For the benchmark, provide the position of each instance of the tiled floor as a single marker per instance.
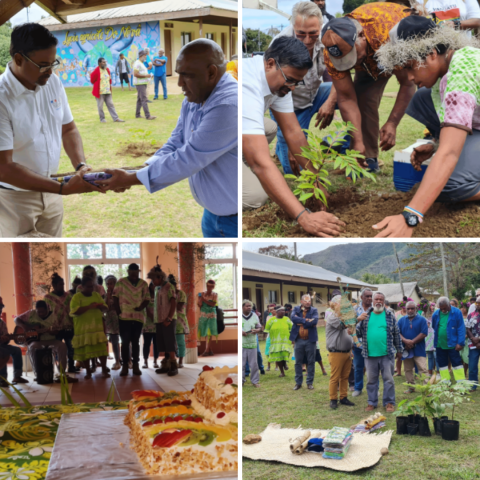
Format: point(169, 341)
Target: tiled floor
point(96, 389)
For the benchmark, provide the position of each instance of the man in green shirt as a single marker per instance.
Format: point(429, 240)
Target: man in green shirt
point(450, 333)
point(250, 327)
point(381, 338)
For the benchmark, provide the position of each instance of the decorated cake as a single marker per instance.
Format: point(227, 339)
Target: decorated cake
point(187, 432)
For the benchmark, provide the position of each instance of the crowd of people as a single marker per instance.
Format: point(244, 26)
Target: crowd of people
point(78, 323)
point(306, 73)
point(428, 338)
point(36, 121)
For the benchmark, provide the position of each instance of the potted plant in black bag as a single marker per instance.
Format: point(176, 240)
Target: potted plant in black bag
point(438, 411)
point(402, 412)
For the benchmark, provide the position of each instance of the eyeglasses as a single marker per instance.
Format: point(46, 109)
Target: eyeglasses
point(44, 69)
point(289, 83)
point(301, 36)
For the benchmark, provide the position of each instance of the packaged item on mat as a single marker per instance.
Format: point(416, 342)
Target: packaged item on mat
point(315, 445)
point(337, 442)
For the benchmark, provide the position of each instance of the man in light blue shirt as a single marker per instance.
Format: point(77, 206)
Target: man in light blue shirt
point(160, 73)
point(203, 146)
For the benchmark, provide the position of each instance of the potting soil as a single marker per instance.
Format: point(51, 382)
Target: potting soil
point(361, 211)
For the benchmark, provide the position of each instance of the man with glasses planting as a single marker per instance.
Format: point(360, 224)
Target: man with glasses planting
point(268, 83)
point(35, 120)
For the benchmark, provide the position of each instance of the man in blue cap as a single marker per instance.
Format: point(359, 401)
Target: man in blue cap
point(351, 42)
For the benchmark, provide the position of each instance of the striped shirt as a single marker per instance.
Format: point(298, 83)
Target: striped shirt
point(130, 297)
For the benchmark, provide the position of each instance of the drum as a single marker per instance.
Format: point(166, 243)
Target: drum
point(44, 365)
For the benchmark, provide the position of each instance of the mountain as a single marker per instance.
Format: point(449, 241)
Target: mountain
point(355, 259)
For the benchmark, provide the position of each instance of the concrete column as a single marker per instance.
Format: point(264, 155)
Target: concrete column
point(186, 275)
point(22, 272)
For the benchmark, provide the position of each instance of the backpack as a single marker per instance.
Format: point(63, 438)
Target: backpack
point(220, 321)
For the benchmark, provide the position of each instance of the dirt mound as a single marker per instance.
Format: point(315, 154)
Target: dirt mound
point(361, 211)
point(139, 149)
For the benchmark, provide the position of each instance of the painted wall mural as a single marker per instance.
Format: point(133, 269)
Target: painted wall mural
point(80, 49)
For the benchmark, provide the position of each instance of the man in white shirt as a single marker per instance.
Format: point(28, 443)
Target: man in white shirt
point(473, 306)
point(140, 80)
point(267, 83)
point(35, 120)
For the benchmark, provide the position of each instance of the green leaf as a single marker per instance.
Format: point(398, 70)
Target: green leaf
point(305, 196)
point(305, 185)
point(289, 175)
point(10, 397)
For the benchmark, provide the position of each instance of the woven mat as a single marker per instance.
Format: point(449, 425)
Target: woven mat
point(364, 451)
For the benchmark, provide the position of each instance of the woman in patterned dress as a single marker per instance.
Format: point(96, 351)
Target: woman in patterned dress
point(182, 324)
point(58, 300)
point(111, 321)
point(149, 329)
point(207, 327)
point(89, 341)
point(279, 328)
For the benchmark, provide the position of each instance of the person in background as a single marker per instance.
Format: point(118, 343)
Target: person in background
point(430, 340)
point(35, 122)
point(454, 302)
point(387, 306)
point(339, 346)
point(122, 70)
point(457, 14)
point(250, 328)
point(413, 331)
point(358, 360)
point(278, 328)
point(268, 313)
point(160, 73)
point(398, 315)
point(41, 318)
point(314, 98)
point(450, 333)
point(271, 313)
point(14, 352)
point(207, 326)
point(149, 330)
point(259, 353)
point(321, 4)
point(77, 281)
point(101, 80)
point(473, 306)
point(148, 65)
point(464, 352)
point(288, 309)
point(165, 317)
point(140, 81)
point(182, 327)
point(380, 338)
point(90, 271)
point(203, 146)
point(473, 333)
point(58, 301)
point(112, 327)
point(131, 295)
point(89, 341)
point(304, 338)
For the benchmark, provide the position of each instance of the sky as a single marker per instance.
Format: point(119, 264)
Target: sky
point(35, 13)
point(264, 19)
point(303, 247)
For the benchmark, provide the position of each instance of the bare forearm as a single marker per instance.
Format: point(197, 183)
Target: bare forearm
point(470, 23)
point(173, 307)
point(350, 112)
point(73, 145)
point(332, 98)
point(22, 177)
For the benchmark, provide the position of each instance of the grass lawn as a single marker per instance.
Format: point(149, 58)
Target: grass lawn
point(408, 132)
point(171, 212)
point(409, 458)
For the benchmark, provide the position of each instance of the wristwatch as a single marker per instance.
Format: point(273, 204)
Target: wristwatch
point(411, 219)
point(79, 166)
point(457, 24)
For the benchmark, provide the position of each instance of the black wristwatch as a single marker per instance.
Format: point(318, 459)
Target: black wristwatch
point(457, 24)
point(411, 219)
point(79, 166)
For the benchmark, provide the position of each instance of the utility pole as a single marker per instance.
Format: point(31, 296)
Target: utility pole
point(295, 251)
point(399, 269)
point(445, 284)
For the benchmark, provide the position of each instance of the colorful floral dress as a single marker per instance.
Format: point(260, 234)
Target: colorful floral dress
point(60, 306)
point(111, 316)
point(279, 334)
point(89, 340)
point(149, 326)
point(207, 326)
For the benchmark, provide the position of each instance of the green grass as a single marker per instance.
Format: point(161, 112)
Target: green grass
point(409, 458)
point(408, 132)
point(171, 212)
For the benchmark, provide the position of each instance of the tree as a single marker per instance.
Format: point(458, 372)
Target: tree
point(45, 262)
point(350, 5)
point(273, 31)
point(281, 251)
point(462, 263)
point(375, 278)
point(5, 33)
point(257, 41)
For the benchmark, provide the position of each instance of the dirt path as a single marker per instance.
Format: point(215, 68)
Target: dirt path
point(360, 212)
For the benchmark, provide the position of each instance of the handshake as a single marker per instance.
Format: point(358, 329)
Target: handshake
point(116, 180)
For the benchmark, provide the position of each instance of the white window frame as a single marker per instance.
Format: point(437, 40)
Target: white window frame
point(99, 261)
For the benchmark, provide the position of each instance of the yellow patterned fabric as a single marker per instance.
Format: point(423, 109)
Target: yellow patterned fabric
point(377, 19)
point(232, 69)
point(28, 436)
